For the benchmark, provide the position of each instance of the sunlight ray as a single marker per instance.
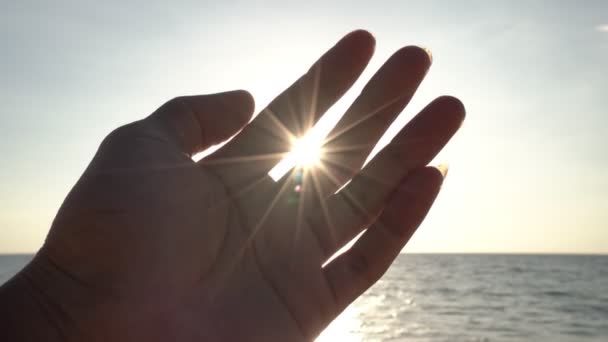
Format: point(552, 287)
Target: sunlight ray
point(312, 113)
point(229, 160)
point(300, 212)
point(273, 202)
point(252, 233)
point(329, 175)
point(354, 147)
point(279, 124)
point(325, 211)
point(231, 266)
point(362, 118)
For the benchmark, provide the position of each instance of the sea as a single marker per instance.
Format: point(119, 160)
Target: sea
point(470, 297)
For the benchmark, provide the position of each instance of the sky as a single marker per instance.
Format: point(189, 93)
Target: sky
point(527, 170)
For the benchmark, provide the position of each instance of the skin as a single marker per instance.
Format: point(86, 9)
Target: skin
point(150, 245)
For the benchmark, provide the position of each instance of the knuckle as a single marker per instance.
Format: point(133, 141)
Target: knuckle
point(124, 132)
point(177, 104)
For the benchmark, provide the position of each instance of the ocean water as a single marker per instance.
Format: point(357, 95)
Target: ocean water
point(431, 297)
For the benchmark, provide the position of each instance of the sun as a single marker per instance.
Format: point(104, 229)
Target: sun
point(306, 152)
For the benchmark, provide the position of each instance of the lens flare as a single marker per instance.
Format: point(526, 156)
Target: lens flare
point(306, 153)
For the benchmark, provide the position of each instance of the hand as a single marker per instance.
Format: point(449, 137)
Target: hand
point(152, 246)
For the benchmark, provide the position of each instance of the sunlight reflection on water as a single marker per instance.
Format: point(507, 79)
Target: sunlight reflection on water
point(344, 328)
point(437, 298)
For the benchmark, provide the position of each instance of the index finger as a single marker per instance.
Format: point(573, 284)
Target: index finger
point(261, 145)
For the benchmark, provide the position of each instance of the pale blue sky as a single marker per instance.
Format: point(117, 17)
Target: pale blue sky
point(528, 169)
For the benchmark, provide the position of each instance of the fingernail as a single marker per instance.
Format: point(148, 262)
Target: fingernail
point(443, 168)
point(428, 52)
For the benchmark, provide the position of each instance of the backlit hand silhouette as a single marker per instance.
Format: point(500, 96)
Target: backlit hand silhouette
point(152, 246)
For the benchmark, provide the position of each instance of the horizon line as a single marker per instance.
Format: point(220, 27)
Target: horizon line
point(429, 253)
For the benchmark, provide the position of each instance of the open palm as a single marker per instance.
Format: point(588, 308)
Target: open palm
point(152, 246)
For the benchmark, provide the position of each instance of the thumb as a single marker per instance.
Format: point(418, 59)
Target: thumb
point(194, 123)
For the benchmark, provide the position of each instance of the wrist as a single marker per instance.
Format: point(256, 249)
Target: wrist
point(26, 314)
point(43, 302)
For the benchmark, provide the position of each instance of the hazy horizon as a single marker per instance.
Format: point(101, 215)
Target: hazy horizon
point(527, 170)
